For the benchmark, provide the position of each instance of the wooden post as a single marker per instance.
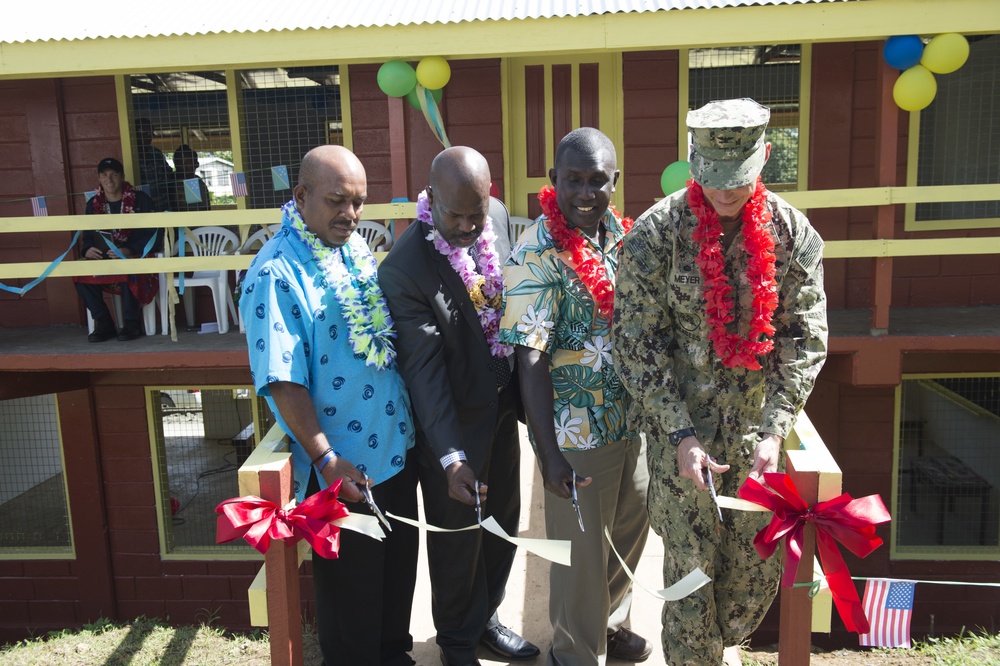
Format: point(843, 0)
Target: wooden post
point(883, 225)
point(281, 565)
point(795, 623)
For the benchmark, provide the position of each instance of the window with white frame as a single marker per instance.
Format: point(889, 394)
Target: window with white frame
point(201, 436)
point(948, 465)
point(34, 510)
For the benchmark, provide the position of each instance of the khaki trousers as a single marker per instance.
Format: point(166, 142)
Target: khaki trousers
point(592, 597)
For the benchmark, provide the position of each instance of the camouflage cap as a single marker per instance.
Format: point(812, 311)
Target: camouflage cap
point(727, 143)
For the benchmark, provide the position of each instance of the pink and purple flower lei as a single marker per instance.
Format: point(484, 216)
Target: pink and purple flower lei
point(488, 279)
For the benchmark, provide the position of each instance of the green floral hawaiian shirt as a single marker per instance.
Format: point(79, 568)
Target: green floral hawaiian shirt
point(548, 308)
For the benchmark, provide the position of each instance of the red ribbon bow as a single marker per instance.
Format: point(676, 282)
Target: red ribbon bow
point(258, 521)
point(850, 521)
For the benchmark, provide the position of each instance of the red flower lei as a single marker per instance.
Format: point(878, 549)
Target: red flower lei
point(100, 207)
point(735, 351)
point(588, 266)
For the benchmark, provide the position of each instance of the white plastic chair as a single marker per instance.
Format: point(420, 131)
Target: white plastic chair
point(258, 238)
point(253, 245)
point(148, 315)
point(518, 225)
point(206, 241)
point(375, 234)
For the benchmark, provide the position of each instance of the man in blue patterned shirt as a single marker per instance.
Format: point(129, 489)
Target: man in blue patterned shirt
point(321, 353)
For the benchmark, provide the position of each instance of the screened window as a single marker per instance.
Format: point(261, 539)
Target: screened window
point(284, 114)
point(959, 140)
point(173, 110)
point(771, 76)
point(948, 464)
point(202, 436)
point(34, 514)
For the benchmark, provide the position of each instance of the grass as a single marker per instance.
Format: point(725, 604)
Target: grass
point(144, 642)
point(967, 649)
point(151, 642)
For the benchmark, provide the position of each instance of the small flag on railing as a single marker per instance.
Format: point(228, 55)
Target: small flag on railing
point(38, 207)
point(889, 607)
point(192, 190)
point(87, 196)
point(239, 182)
point(279, 176)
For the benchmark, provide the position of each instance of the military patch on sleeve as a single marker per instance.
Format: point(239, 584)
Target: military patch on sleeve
point(811, 251)
point(638, 250)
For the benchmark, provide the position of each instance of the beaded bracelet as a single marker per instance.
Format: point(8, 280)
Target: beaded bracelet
point(327, 457)
point(320, 456)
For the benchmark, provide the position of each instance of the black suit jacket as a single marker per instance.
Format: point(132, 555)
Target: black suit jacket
point(443, 354)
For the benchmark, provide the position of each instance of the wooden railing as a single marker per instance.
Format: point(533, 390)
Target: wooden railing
point(274, 593)
point(243, 219)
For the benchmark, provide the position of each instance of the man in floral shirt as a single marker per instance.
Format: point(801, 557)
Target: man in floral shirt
point(720, 323)
point(560, 291)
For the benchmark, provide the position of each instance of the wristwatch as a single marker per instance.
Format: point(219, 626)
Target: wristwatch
point(677, 435)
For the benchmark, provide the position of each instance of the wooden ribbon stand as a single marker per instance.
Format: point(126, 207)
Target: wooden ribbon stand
point(818, 477)
point(274, 594)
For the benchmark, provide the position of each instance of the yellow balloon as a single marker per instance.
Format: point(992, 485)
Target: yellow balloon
point(945, 53)
point(433, 72)
point(914, 89)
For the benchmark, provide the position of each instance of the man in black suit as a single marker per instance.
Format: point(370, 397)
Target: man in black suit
point(443, 281)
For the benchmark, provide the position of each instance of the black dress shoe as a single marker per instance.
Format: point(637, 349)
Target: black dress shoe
point(628, 646)
point(130, 331)
point(500, 640)
point(103, 330)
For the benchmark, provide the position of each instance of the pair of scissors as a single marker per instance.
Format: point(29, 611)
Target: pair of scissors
point(366, 494)
point(711, 489)
point(576, 504)
point(479, 506)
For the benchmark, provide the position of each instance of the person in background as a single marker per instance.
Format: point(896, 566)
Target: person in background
point(185, 167)
point(116, 196)
point(153, 168)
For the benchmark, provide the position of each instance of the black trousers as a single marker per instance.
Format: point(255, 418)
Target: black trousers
point(93, 297)
point(364, 597)
point(469, 569)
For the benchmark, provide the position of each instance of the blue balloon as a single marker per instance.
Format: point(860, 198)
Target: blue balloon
point(903, 51)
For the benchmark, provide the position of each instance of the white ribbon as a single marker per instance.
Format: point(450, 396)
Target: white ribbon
point(678, 590)
point(552, 550)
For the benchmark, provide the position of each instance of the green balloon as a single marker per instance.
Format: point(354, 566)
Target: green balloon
point(411, 97)
point(675, 177)
point(396, 78)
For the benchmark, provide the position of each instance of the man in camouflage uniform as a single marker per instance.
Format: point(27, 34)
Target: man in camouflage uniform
point(700, 412)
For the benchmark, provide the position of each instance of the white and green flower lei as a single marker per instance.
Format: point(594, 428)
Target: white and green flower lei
point(351, 272)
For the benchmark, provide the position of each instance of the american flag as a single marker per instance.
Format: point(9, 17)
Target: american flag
point(239, 182)
point(38, 207)
point(889, 607)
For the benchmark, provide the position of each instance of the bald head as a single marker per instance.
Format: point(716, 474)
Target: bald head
point(459, 194)
point(586, 141)
point(322, 160)
point(461, 165)
point(331, 193)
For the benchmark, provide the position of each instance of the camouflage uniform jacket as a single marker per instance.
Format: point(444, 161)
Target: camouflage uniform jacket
point(662, 349)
